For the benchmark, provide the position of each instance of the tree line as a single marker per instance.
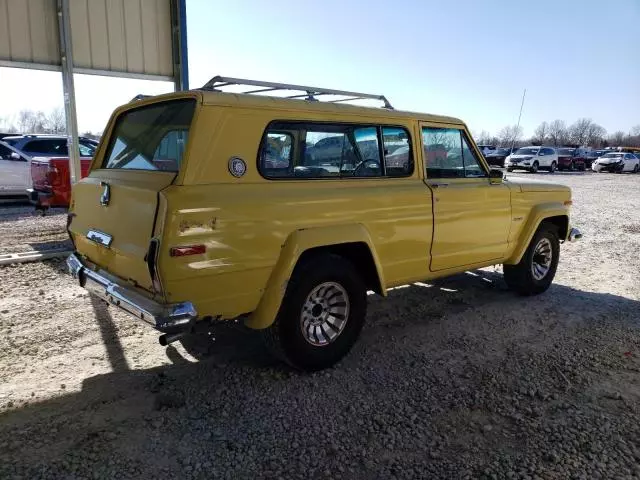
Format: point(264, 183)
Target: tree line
point(583, 132)
point(30, 121)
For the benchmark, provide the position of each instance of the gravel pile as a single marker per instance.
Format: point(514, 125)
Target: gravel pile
point(459, 379)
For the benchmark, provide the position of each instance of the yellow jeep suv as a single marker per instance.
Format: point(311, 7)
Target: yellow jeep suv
point(206, 206)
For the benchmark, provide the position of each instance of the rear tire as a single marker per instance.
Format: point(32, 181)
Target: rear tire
point(325, 296)
point(636, 168)
point(553, 167)
point(535, 271)
point(509, 169)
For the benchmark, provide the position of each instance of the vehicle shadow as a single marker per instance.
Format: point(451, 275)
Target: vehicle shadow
point(153, 417)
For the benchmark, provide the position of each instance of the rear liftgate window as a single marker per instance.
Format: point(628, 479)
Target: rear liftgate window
point(323, 150)
point(151, 138)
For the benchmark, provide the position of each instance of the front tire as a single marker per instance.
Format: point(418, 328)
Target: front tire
point(535, 271)
point(321, 315)
point(534, 167)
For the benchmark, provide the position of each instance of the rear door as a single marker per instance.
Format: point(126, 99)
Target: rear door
point(114, 207)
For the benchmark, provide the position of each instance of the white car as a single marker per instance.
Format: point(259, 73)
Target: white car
point(532, 159)
point(15, 171)
point(616, 162)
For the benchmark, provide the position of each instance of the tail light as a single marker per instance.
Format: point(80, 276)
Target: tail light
point(186, 250)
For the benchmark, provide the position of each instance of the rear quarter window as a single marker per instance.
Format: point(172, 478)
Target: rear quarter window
point(152, 137)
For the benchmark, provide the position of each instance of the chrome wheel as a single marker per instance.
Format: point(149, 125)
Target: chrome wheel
point(534, 167)
point(542, 256)
point(324, 314)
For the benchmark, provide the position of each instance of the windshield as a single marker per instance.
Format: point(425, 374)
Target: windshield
point(566, 151)
point(527, 151)
point(151, 138)
point(613, 155)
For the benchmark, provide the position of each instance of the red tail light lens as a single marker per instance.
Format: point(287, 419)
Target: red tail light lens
point(187, 250)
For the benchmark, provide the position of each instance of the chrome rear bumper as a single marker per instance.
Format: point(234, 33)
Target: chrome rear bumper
point(168, 318)
point(574, 234)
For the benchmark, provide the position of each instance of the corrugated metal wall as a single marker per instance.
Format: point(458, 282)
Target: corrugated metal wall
point(127, 36)
point(29, 31)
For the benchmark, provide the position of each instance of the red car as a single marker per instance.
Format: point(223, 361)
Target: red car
point(51, 182)
point(570, 159)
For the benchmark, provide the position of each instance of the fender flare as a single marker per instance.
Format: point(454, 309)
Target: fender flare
point(294, 246)
point(538, 214)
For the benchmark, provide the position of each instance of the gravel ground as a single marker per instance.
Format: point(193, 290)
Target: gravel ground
point(460, 379)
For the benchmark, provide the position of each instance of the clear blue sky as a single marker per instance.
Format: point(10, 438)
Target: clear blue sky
point(470, 59)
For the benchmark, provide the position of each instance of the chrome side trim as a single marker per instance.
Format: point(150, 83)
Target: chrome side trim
point(168, 318)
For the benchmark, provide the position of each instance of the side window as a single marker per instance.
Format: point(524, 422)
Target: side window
point(369, 164)
point(321, 150)
point(169, 152)
point(276, 155)
point(326, 152)
point(398, 158)
point(472, 166)
point(548, 151)
point(443, 152)
point(48, 147)
point(85, 151)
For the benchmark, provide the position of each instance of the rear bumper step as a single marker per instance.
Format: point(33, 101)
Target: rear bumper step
point(167, 318)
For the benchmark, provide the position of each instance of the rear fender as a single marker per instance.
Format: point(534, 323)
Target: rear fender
point(538, 214)
point(293, 248)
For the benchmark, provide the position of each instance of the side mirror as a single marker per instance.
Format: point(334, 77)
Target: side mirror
point(15, 156)
point(496, 176)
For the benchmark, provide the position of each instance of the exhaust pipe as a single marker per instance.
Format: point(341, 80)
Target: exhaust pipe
point(168, 338)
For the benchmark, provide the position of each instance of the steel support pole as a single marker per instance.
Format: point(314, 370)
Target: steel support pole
point(66, 55)
point(179, 44)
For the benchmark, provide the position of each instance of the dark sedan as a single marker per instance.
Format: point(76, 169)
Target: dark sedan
point(497, 157)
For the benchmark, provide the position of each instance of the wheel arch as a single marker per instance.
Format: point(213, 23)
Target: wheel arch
point(352, 242)
point(553, 214)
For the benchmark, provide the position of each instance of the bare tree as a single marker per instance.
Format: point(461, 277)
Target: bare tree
point(541, 134)
point(55, 121)
point(484, 138)
point(581, 129)
point(595, 134)
point(31, 122)
point(616, 138)
point(557, 132)
point(510, 135)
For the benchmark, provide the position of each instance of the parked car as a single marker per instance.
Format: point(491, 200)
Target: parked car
point(486, 149)
point(570, 159)
point(496, 157)
point(293, 251)
point(533, 159)
point(15, 177)
point(51, 181)
point(591, 157)
point(43, 145)
point(617, 162)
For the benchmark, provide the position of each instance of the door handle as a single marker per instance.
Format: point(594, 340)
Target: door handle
point(439, 185)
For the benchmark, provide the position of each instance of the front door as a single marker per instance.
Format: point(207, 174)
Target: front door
point(472, 216)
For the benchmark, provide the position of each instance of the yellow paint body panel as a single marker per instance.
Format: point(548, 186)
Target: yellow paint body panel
point(255, 229)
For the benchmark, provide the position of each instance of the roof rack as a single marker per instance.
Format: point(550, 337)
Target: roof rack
point(140, 96)
point(310, 93)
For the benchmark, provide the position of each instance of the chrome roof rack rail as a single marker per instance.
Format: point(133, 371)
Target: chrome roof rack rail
point(140, 96)
point(310, 93)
